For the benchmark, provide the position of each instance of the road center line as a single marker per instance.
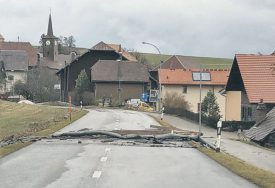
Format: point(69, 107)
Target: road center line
point(96, 174)
point(107, 149)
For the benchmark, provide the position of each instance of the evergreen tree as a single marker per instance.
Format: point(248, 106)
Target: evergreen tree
point(210, 109)
point(82, 83)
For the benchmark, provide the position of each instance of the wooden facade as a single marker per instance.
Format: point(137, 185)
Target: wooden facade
point(69, 74)
point(249, 110)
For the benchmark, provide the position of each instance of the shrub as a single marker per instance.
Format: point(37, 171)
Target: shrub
point(88, 98)
point(175, 100)
point(21, 88)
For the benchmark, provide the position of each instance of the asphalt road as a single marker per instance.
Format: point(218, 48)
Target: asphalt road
point(65, 163)
point(112, 119)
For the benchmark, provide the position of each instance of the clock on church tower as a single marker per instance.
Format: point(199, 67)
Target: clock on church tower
point(49, 42)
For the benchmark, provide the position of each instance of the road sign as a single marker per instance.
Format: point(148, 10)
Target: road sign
point(144, 97)
point(153, 97)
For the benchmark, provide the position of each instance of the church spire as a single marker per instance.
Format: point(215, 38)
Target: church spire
point(50, 27)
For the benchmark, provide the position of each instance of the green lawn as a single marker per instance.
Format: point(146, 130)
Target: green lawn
point(260, 177)
point(32, 120)
point(206, 62)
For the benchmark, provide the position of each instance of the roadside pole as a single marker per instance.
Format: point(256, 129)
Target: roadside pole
point(70, 107)
point(219, 131)
point(200, 103)
point(162, 113)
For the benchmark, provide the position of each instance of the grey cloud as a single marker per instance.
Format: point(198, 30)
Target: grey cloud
point(201, 27)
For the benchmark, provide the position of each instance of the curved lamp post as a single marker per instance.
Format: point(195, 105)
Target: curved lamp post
point(160, 89)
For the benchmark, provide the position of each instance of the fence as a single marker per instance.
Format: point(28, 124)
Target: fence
point(226, 125)
point(190, 115)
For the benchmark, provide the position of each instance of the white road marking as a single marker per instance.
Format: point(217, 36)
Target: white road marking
point(97, 174)
point(103, 159)
point(107, 149)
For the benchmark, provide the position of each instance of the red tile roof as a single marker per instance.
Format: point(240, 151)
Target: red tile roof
point(25, 46)
point(258, 74)
point(184, 77)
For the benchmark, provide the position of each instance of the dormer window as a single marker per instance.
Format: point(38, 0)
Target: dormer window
point(205, 76)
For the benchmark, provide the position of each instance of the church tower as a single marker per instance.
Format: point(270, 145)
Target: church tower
point(49, 42)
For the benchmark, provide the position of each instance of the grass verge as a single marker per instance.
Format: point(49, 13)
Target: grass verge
point(260, 177)
point(31, 120)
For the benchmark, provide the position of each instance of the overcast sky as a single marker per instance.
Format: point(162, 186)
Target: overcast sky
point(216, 28)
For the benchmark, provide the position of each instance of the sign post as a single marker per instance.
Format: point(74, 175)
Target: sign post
point(153, 97)
point(219, 132)
point(70, 107)
point(162, 113)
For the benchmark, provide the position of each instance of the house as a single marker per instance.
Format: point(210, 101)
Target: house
point(20, 46)
point(14, 64)
point(263, 132)
point(189, 62)
point(100, 51)
point(250, 89)
point(187, 84)
point(119, 80)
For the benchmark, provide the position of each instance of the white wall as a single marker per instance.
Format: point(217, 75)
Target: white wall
point(193, 95)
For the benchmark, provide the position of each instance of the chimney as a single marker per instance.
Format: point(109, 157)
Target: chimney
point(73, 56)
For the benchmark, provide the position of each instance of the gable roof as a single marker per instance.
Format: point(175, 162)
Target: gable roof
point(193, 62)
point(185, 77)
point(114, 47)
point(14, 60)
point(25, 46)
point(258, 75)
point(262, 129)
point(114, 71)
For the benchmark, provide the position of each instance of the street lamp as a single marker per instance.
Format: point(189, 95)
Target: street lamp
point(160, 92)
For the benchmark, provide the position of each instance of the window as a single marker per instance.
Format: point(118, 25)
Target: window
point(205, 76)
point(10, 77)
point(184, 89)
point(246, 113)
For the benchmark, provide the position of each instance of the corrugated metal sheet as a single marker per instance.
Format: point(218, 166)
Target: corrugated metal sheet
point(261, 130)
point(258, 74)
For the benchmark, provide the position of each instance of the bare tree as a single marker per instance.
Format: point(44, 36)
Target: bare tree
point(140, 57)
point(40, 83)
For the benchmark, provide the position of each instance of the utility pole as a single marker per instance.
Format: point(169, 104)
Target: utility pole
point(119, 81)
